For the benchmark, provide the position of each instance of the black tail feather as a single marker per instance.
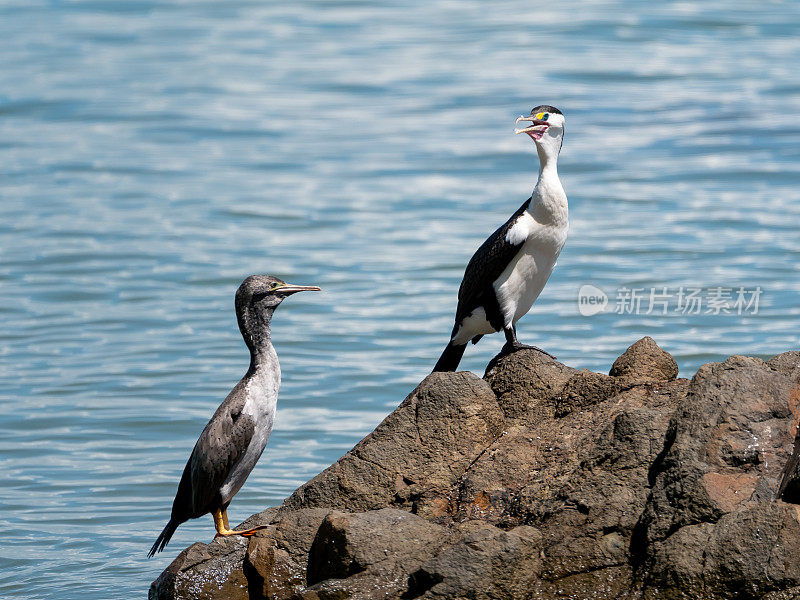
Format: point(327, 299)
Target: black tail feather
point(163, 538)
point(450, 357)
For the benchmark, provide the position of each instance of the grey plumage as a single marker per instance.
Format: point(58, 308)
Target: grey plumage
point(233, 440)
point(220, 446)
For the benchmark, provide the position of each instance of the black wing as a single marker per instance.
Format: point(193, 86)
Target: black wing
point(485, 266)
point(222, 443)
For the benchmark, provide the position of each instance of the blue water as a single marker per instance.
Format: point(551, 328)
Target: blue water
point(155, 152)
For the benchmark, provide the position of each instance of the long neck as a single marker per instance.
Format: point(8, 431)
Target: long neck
point(548, 163)
point(254, 325)
point(549, 200)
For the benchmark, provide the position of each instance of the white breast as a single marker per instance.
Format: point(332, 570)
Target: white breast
point(523, 280)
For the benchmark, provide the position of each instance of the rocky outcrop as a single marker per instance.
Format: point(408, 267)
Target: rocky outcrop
point(541, 481)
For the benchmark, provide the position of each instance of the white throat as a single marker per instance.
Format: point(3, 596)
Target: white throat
point(548, 200)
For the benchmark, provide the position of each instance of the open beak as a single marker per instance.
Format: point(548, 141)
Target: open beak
point(536, 130)
point(290, 288)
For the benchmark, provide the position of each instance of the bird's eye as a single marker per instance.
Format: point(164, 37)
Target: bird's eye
point(544, 116)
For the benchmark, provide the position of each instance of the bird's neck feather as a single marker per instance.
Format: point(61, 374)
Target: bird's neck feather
point(255, 328)
point(265, 358)
point(548, 201)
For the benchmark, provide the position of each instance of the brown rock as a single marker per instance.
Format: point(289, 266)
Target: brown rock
point(790, 594)
point(487, 563)
point(580, 478)
point(732, 437)
point(526, 381)
point(727, 448)
point(387, 544)
point(543, 482)
point(425, 444)
point(644, 360)
point(294, 531)
point(205, 572)
point(789, 490)
point(746, 554)
point(757, 549)
point(271, 571)
point(787, 363)
point(584, 389)
point(676, 570)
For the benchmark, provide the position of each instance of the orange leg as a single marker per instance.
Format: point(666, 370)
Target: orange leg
point(224, 529)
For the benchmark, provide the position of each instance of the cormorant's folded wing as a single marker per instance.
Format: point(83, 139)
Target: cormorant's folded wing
point(483, 269)
point(223, 442)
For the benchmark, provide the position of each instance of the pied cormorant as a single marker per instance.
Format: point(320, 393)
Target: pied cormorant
point(507, 273)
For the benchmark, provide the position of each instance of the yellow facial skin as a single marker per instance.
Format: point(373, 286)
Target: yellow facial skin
point(541, 116)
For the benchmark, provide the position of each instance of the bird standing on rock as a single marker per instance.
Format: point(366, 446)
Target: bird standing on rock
point(235, 437)
point(508, 272)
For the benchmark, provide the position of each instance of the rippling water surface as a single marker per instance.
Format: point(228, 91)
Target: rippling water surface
point(153, 153)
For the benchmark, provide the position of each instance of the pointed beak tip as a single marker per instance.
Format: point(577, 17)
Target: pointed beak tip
point(292, 289)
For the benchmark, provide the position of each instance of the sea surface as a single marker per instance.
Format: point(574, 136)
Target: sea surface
point(153, 153)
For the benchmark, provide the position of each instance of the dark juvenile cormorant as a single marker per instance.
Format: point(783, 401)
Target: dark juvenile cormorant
point(236, 435)
point(507, 273)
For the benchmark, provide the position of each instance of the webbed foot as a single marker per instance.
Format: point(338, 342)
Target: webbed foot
point(244, 533)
